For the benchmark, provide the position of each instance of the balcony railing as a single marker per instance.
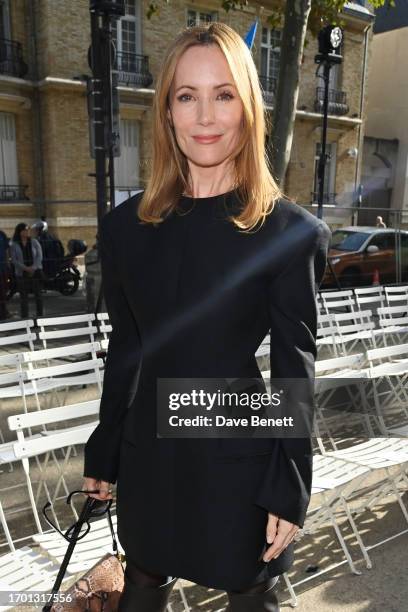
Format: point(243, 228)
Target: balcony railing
point(11, 58)
point(133, 69)
point(328, 198)
point(268, 87)
point(337, 102)
point(13, 193)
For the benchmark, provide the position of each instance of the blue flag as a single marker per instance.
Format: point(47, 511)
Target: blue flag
point(250, 36)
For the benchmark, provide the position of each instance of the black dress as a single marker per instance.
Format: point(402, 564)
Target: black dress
point(194, 297)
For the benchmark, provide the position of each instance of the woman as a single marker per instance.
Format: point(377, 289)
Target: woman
point(196, 269)
point(26, 255)
point(4, 275)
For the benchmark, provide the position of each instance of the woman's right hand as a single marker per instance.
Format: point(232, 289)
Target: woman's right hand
point(105, 488)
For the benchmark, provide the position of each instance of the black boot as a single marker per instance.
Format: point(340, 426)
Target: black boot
point(266, 601)
point(136, 598)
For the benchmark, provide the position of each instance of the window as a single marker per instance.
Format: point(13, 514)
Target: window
point(344, 240)
point(270, 55)
point(330, 173)
point(127, 165)
point(334, 85)
point(5, 31)
point(126, 34)
point(8, 150)
point(195, 17)
point(383, 241)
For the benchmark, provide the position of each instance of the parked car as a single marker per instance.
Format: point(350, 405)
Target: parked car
point(362, 255)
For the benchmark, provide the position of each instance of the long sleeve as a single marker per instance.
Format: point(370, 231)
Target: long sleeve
point(121, 369)
point(37, 254)
point(16, 255)
point(286, 486)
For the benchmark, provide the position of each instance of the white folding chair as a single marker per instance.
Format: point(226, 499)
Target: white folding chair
point(393, 320)
point(327, 334)
point(25, 336)
point(63, 355)
point(380, 454)
point(347, 374)
point(27, 570)
point(338, 477)
point(333, 481)
point(85, 322)
point(389, 365)
point(47, 442)
point(372, 296)
point(394, 294)
point(338, 301)
point(13, 362)
point(24, 569)
point(105, 328)
point(46, 380)
point(353, 328)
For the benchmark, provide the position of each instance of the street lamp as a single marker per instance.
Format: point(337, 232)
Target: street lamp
point(330, 39)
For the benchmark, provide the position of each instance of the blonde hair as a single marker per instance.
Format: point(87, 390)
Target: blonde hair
point(256, 187)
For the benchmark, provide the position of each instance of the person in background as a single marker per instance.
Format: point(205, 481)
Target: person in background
point(379, 222)
point(26, 255)
point(52, 248)
point(4, 275)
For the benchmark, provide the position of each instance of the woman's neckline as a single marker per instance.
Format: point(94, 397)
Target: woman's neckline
point(207, 198)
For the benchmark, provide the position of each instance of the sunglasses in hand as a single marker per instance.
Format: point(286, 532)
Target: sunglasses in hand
point(92, 508)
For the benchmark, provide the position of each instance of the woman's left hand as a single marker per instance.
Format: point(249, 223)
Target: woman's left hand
point(279, 533)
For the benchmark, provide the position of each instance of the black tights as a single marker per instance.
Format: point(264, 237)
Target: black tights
point(259, 587)
point(146, 579)
point(142, 578)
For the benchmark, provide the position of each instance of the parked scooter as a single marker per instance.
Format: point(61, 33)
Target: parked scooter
point(67, 275)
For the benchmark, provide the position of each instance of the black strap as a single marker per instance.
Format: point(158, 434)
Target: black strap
point(83, 517)
point(114, 543)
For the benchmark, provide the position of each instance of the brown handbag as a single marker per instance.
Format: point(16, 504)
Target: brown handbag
point(100, 588)
point(97, 590)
